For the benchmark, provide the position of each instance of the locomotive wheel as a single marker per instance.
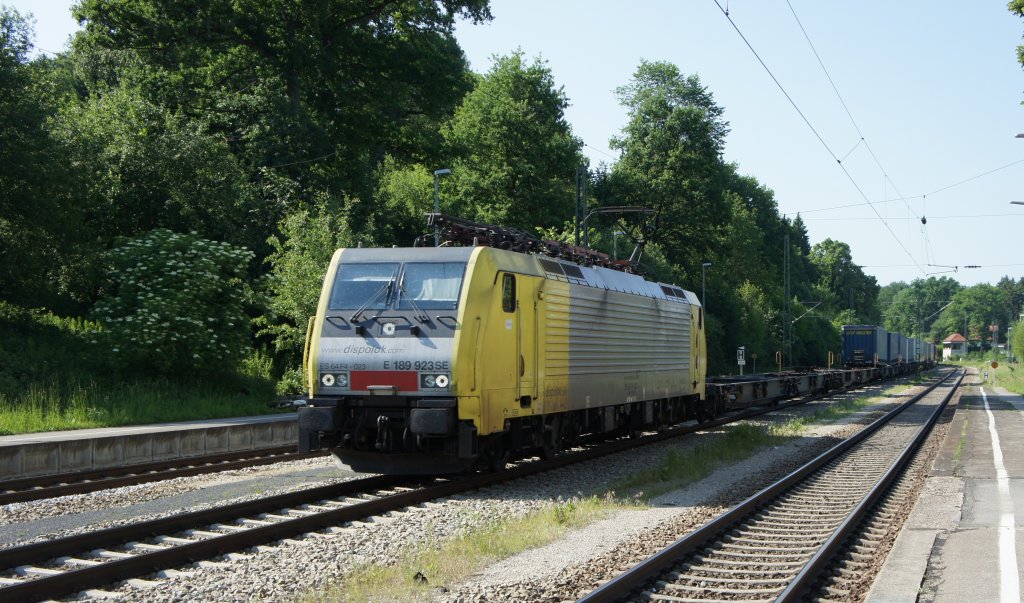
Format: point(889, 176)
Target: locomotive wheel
point(498, 461)
point(494, 454)
point(569, 432)
point(552, 439)
point(704, 413)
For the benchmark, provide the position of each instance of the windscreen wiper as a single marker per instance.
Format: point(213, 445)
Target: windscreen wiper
point(385, 289)
point(420, 314)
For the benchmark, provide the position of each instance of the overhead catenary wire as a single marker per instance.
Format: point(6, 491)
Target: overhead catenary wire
point(945, 188)
point(849, 176)
point(606, 154)
point(958, 217)
point(846, 108)
point(939, 190)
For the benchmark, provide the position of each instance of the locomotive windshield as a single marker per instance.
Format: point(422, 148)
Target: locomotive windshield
point(410, 286)
point(431, 286)
point(366, 286)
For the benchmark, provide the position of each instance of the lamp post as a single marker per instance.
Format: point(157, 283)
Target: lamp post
point(437, 203)
point(703, 272)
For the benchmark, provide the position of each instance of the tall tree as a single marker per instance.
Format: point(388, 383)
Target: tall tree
point(316, 92)
point(671, 159)
point(842, 284)
point(38, 214)
point(980, 306)
point(914, 308)
point(1017, 7)
point(513, 152)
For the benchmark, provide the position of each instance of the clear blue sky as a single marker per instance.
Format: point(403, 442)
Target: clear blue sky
point(933, 86)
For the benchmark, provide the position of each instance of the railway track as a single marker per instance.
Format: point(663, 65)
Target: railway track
point(782, 543)
point(80, 482)
point(63, 566)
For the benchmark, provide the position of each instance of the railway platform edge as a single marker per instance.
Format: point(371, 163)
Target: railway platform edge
point(951, 547)
point(48, 453)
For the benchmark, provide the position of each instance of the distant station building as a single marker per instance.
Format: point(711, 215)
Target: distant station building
point(954, 346)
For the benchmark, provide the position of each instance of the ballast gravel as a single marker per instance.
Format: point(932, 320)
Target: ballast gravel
point(69, 515)
point(304, 567)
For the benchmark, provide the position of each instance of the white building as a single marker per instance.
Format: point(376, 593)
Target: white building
point(954, 346)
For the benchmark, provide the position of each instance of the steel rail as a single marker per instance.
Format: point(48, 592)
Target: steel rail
point(63, 484)
point(53, 548)
point(824, 556)
point(81, 482)
point(51, 586)
point(624, 585)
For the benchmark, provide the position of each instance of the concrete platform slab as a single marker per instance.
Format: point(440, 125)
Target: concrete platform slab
point(936, 512)
point(963, 540)
point(56, 452)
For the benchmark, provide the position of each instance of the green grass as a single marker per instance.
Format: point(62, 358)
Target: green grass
point(53, 377)
point(56, 406)
point(1008, 375)
point(446, 562)
point(838, 410)
point(681, 467)
point(958, 453)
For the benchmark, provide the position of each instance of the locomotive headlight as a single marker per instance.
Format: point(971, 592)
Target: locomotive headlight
point(334, 379)
point(434, 381)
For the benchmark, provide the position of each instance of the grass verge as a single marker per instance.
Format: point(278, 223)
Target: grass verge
point(447, 562)
point(53, 377)
point(1008, 375)
point(76, 405)
point(838, 410)
point(959, 452)
point(680, 468)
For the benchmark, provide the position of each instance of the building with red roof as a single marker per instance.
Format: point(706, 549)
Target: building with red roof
point(954, 346)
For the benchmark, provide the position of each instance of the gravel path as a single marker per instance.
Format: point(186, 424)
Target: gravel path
point(291, 569)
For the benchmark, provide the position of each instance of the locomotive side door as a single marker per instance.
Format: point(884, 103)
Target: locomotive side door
point(527, 325)
point(498, 353)
point(509, 352)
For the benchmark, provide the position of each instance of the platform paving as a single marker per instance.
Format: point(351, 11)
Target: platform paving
point(963, 540)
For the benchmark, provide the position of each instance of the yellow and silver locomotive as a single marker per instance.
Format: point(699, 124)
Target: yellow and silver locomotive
point(435, 360)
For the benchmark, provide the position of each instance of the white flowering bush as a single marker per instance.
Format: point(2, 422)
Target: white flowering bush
point(176, 304)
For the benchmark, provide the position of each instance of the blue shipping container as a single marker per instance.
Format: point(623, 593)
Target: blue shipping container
point(861, 343)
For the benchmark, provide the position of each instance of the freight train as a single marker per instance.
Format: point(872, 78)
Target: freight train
point(870, 345)
point(432, 360)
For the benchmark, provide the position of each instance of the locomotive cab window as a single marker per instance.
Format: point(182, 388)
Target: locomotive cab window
point(431, 286)
point(394, 285)
point(359, 285)
point(508, 292)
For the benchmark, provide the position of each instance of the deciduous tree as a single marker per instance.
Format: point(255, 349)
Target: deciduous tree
point(671, 159)
point(513, 153)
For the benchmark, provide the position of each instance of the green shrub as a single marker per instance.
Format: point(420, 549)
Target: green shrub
point(177, 304)
point(299, 260)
